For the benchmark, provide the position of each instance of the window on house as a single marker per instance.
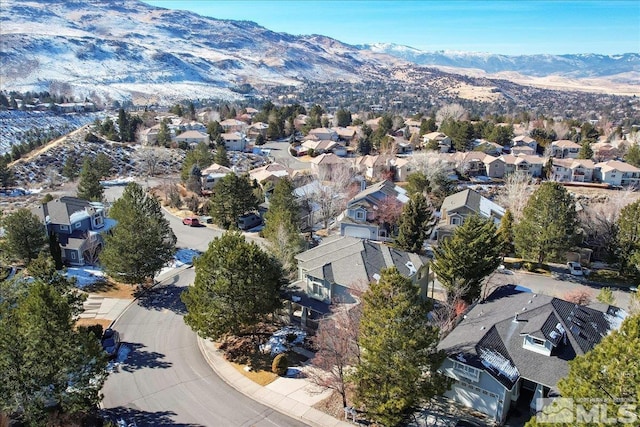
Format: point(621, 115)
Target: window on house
point(359, 215)
point(466, 371)
point(537, 341)
point(63, 227)
point(73, 255)
point(77, 225)
point(456, 221)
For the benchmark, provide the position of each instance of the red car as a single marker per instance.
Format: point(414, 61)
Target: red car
point(191, 221)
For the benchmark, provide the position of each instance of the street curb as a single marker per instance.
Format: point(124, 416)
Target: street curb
point(284, 411)
point(177, 270)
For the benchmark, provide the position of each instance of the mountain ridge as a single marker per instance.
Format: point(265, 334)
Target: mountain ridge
point(104, 49)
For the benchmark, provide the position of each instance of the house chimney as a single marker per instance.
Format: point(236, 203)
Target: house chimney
point(363, 185)
point(515, 318)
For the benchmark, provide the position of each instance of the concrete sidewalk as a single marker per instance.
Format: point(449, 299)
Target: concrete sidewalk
point(291, 396)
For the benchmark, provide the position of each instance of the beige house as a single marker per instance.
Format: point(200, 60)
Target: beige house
point(192, 137)
point(444, 142)
point(525, 141)
point(234, 141)
point(564, 148)
point(617, 173)
point(531, 165)
point(570, 170)
point(324, 134)
point(328, 165)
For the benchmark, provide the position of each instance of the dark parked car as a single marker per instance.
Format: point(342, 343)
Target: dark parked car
point(248, 221)
point(111, 342)
point(191, 221)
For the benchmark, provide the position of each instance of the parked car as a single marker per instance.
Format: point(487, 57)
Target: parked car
point(111, 342)
point(575, 269)
point(191, 221)
point(248, 221)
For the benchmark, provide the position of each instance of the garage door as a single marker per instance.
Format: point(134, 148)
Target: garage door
point(476, 398)
point(360, 232)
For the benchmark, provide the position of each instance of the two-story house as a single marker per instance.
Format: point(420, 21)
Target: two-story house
point(192, 138)
point(514, 346)
point(234, 141)
point(361, 217)
point(78, 225)
point(531, 165)
point(617, 173)
point(564, 149)
point(444, 142)
point(342, 267)
point(570, 170)
point(457, 207)
point(525, 141)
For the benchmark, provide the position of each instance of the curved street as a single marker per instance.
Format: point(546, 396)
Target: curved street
point(165, 380)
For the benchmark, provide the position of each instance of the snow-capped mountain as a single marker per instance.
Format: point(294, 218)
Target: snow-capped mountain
point(574, 66)
point(126, 49)
point(113, 48)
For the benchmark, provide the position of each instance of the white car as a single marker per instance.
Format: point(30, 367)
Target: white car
point(575, 269)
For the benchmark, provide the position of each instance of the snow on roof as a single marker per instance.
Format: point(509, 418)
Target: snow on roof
point(78, 216)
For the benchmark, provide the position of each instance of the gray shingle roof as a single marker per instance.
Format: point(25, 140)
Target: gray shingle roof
point(492, 325)
point(349, 261)
point(468, 198)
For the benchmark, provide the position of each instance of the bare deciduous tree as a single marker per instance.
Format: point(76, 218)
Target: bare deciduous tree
point(451, 111)
point(515, 193)
point(578, 296)
point(333, 191)
point(151, 158)
point(338, 350)
point(598, 220)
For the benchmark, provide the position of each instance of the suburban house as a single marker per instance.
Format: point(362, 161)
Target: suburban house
point(372, 166)
point(328, 165)
point(499, 360)
point(457, 207)
point(531, 165)
point(258, 128)
point(150, 136)
point(523, 150)
point(212, 174)
point(401, 167)
point(324, 134)
point(487, 147)
point(192, 137)
point(360, 218)
point(524, 141)
point(346, 134)
point(341, 268)
point(564, 148)
point(617, 173)
point(603, 151)
point(268, 176)
point(319, 146)
point(570, 170)
point(78, 225)
point(233, 125)
point(234, 141)
point(444, 142)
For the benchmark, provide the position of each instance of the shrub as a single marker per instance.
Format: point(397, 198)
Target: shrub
point(529, 266)
point(280, 364)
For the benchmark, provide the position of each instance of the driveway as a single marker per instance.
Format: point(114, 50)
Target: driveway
point(280, 153)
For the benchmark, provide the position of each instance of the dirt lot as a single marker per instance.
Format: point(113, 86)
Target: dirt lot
point(90, 322)
point(112, 289)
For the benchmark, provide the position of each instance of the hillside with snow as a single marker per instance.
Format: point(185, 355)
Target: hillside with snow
point(572, 66)
point(117, 48)
point(109, 50)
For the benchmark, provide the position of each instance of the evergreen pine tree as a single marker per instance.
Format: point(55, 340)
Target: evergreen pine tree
point(232, 197)
point(89, 187)
point(142, 242)
point(505, 232)
point(548, 225)
point(586, 152)
point(25, 236)
point(6, 174)
point(399, 360)
point(237, 286)
point(628, 239)
point(70, 167)
point(462, 261)
point(56, 250)
point(414, 224)
point(221, 157)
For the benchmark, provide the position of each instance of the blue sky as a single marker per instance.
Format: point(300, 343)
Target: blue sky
point(507, 27)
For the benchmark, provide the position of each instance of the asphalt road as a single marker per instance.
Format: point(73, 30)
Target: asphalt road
point(280, 154)
point(165, 380)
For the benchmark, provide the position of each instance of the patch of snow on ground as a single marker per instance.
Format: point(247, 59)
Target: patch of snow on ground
point(283, 339)
point(85, 276)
